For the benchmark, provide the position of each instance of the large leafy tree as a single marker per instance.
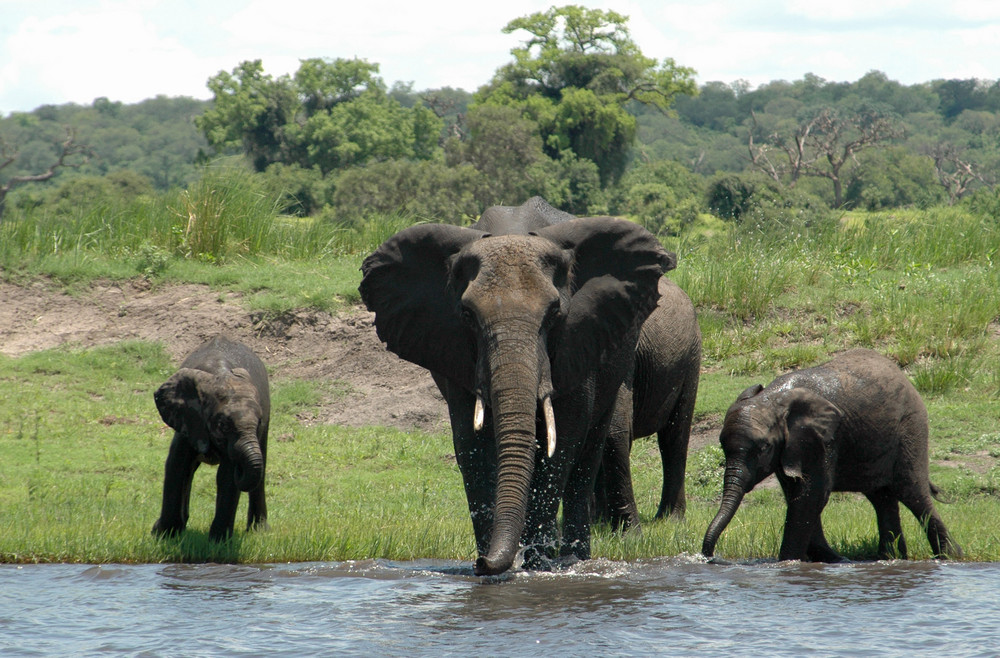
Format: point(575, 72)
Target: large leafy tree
point(575, 76)
point(331, 114)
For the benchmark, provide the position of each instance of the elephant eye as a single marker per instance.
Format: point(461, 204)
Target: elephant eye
point(219, 425)
point(552, 313)
point(468, 317)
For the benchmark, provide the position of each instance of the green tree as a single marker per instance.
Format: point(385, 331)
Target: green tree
point(331, 114)
point(891, 178)
point(575, 76)
point(421, 188)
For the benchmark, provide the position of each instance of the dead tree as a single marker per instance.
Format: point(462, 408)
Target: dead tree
point(954, 172)
point(821, 146)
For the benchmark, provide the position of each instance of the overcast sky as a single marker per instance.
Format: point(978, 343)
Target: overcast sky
point(60, 51)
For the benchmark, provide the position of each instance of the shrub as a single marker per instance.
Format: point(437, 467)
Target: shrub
point(424, 189)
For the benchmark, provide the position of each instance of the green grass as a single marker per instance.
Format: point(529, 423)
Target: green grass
point(83, 451)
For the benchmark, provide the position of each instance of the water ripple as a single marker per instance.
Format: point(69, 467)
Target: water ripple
point(676, 606)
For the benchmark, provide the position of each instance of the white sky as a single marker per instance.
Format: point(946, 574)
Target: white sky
point(60, 51)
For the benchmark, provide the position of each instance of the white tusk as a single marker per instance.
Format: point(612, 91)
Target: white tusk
point(477, 414)
point(550, 425)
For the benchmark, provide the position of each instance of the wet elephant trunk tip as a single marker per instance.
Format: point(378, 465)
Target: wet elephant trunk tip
point(489, 566)
point(732, 496)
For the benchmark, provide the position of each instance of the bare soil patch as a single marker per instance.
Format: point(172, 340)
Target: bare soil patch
point(373, 386)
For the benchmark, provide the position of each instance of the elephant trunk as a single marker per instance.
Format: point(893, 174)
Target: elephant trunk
point(248, 461)
point(736, 483)
point(513, 395)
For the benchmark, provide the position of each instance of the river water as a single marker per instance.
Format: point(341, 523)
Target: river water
point(670, 606)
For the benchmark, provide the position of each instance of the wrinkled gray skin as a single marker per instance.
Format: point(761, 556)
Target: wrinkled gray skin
point(524, 323)
point(658, 399)
point(854, 423)
point(218, 404)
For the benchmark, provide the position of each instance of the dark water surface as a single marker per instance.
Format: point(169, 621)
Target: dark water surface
point(668, 606)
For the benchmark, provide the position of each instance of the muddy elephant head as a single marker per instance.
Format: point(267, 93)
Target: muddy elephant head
point(789, 431)
point(221, 415)
point(518, 320)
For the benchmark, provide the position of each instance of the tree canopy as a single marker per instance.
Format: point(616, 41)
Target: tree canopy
point(575, 77)
point(579, 115)
point(331, 114)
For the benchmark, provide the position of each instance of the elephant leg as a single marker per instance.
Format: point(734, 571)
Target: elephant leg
point(942, 545)
point(890, 533)
point(619, 506)
point(182, 461)
point(819, 549)
point(576, 496)
point(802, 520)
point(257, 507)
point(227, 498)
point(479, 473)
point(673, 439)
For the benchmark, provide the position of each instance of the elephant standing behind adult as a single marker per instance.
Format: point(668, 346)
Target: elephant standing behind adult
point(529, 338)
point(658, 399)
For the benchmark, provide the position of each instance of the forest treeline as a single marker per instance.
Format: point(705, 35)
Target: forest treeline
point(579, 116)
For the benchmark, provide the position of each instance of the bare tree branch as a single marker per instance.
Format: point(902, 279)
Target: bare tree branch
point(820, 146)
point(954, 172)
point(67, 150)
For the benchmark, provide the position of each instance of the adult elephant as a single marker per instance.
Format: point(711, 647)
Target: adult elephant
point(529, 338)
point(855, 423)
point(219, 405)
point(658, 399)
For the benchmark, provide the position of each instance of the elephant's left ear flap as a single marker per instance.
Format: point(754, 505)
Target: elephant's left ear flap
point(810, 423)
point(616, 272)
point(172, 396)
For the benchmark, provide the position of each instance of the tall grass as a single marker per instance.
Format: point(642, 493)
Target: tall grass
point(227, 214)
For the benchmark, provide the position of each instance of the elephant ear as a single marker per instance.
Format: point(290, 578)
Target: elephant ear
point(179, 396)
point(417, 314)
point(810, 424)
point(749, 392)
point(617, 266)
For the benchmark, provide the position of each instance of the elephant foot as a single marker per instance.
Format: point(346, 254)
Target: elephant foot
point(163, 529)
point(536, 560)
point(539, 557)
point(219, 535)
point(260, 525)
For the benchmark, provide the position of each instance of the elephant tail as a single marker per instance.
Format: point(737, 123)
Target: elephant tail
point(939, 496)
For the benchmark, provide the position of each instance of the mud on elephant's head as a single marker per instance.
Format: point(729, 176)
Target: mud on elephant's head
point(220, 414)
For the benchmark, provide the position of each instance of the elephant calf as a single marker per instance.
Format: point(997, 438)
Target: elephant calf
point(219, 406)
point(855, 423)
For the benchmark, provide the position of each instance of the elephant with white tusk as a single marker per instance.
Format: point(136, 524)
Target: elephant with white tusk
point(529, 337)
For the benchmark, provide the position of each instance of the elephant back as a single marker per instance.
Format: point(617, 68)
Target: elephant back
point(532, 215)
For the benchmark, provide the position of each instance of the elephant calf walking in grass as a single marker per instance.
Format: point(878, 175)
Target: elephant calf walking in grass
point(855, 423)
point(218, 404)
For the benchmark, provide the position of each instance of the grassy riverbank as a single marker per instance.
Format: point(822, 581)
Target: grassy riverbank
point(82, 448)
point(83, 453)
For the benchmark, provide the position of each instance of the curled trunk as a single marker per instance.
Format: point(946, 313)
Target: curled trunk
point(248, 461)
point(735, 485)
point(513, 394)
